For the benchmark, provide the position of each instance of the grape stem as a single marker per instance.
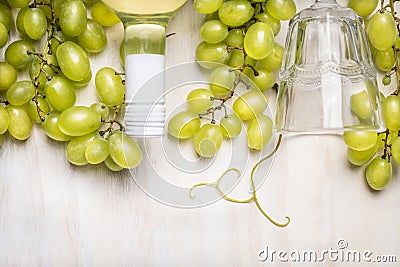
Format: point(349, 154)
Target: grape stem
point(253, 197)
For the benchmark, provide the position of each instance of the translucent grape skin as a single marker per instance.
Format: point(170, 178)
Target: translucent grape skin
point(391, 112)
point(97, 151)
point(359, 158)
point(76, 149)
point(4, 120)
point(235, 13)
point(3, 35)
point(236, 58)
point(20, 93)
point(281, 9)
point(222, 81)
point(103, 15)
point(270, 21)
point(379, 173)
point(396, 149)
point(231, 126)
point(382, 30)
point(259, 41)
point(109, 86)
point(79, 120)
point(274, 60)
point(20, 125)
point(264, 80)
point(60, 93)
point(209, 54)
point(111, 165)
point(208, 140)
point(384, 59)
point(17, 54)
point(184, 124)
point(8, 75)
point(124, 150)
point(360, 140)
point(50, 127)
point(35, 23)
point(235, 37)
point(6, 17)
point(102, 109)
point(363, 8)
point(73, 18)
point(259, 132)
point(93, 38)
point(73, 61)
point(361, 106)
point(249, 105)
point(199, 100)
point(207, 6)
point(213, 31)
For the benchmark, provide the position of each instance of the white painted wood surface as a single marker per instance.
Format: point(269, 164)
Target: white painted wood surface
point(56, 214)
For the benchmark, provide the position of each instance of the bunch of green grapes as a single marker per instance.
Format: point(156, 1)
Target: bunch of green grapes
point(363, 147)
point(94, 134)
point(238, 46)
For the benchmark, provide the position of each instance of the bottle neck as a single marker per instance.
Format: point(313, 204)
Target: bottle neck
point(144, 38)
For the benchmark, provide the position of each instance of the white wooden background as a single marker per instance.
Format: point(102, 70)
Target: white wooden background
point(56, 214)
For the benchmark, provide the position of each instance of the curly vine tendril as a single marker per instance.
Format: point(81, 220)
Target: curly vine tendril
point(254, 190)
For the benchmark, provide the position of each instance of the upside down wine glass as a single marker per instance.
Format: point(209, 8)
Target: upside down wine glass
point(144, 39)
point(328, 82)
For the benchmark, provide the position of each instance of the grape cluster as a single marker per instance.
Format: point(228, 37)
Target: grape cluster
point(238, 47)
point(95, 133)
point(383, 35)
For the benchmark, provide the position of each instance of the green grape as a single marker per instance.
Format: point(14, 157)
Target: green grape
point(382, 30)
point(281, 9)
point(20, 125)
point(212, 16)
point(20, 93)
point(234, 38)
point(33, 111)
point(9, 75)
point(208, 140)
point(17, 54)
point(274, 60)
point(76, 149)
point(360, 140)
point(264, 80)
point(19, 22)
point(259, 41)
point(359, 158)
point(103, 15)
point(235, 13)
point(207, 6)
point(122, 52)
point(364, 8)
point(35, 23)
point(361, 106)
point(391, 112)
point(124, 150)
point(18, 3)
point(396, 149)
point(83, 82)
point(4, 120)
point(93, 38)
point(3, 35)
point(222, 81)
point(79, 120)
point(72, 19)
point(386, 80)
point(200, 100)
point(34, 68)
point(250, 105)
point(109, 86)
point(213, 31)
point(236, 58)
point(209, 54)
point(73, 61)
point(97, 151)
point(259, 132)
point(50, 127)
point(111, 165)
point(47, 10)
point(379, 173)
point(102, 109)
point(231, 126)
point(60, 93)
point(270, 21)
point(384, 59)
point(6, 16)
point(184, 124)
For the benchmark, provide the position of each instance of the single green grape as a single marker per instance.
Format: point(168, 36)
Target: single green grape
point(274, 23)
point(391, 112)
point(361, 106)
point(396, 149)
point(17, 54)
point(97, 151)
point(274, 60)
point(259, 132)
point(200, 100)
point(363, 8)
point(18, 3)
point(76, 149)
point(9, 75)
point(111, 165)
point(79, 120)
point(20, 125)
point(359, 158)
point(60, 93)
point(222, 81)
point(235, 13)
point(20, 93)
point(264, 80)
point(50, 127)
point(209, 54)
point(6, 17)
point(360, 140)
point(184, 124)
point(213, 31)
point(386, 80)
point(236, 58)
point(72, 19)
point(384, 59)
point(231, 126)
point(35, 23)
point(73, 61)
point(208, 140)
point(379, 173)
point(19, 22)
point(207, 6)
point(93, 38)
point(259, 40)
point(33, 110)
point(250, 105)
point(281, 9)
point(124, 150)
point(102, 109)
point(382, 30)
point(235, 38)
point(103, 15)
point(109, 86)
point(4, 120)
point(3, 35)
